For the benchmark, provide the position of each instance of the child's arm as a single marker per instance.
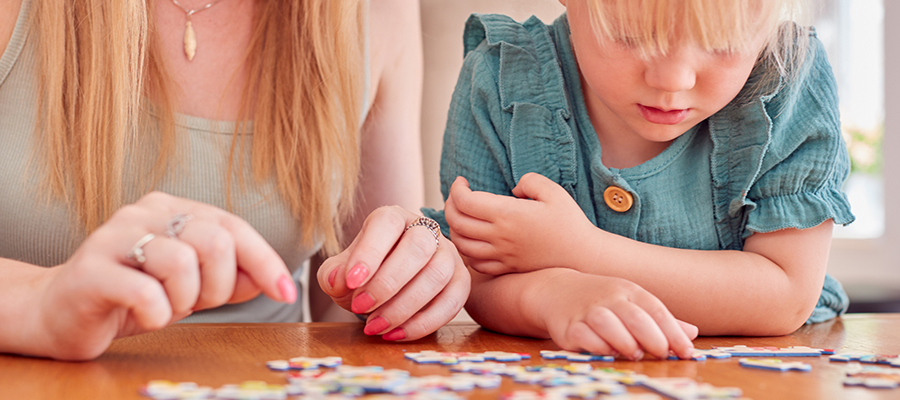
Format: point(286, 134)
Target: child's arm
point(769, 288)
point(580, 312)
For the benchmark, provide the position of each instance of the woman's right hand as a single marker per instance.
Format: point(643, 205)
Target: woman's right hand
point(610, 316)
point(102, 292)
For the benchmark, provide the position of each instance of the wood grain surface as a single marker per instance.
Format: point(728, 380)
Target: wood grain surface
point(218, 354)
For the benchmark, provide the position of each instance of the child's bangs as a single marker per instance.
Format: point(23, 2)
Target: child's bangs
point(654, 26)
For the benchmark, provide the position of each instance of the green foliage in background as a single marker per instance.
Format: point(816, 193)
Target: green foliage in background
point(865, 149)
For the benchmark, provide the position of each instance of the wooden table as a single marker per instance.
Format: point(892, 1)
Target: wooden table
point(217, 354)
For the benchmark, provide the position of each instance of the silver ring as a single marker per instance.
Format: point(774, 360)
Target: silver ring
point(429, 224)
point(176, 225)
point(137, 251)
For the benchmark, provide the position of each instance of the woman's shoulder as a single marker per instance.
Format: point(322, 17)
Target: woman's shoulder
point(9, 14)
point(394, 36)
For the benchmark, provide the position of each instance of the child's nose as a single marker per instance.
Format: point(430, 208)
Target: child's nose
point(671, 73)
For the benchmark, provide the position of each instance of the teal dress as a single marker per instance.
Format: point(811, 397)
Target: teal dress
point(768, 162)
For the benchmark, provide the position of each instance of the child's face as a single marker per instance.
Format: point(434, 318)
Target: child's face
point(653, 100)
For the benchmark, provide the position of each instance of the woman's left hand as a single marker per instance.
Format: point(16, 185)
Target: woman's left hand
point(407, 284)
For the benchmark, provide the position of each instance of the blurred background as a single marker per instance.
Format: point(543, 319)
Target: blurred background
point(865, 255)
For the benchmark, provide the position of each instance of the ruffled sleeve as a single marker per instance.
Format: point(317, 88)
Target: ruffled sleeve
point(508, 114)
point(780, 161)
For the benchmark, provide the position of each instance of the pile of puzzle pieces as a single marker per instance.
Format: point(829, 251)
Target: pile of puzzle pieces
point(327, 377)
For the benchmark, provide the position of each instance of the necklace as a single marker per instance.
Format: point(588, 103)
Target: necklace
point(190, 39)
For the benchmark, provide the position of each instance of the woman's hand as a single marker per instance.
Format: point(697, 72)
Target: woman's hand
point(542, 228)
point(610, 316)
point(407, 284)
point(198, 257)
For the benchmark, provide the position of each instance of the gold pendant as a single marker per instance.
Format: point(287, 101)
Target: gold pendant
point(190, 41)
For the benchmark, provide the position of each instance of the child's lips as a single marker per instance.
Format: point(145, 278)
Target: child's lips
point(664, 117)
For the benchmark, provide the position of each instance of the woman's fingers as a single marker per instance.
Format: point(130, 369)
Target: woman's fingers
point(215, 250)
point(410, 256)
point(438, 283)
point(174, 264)
point(252, 253)
point(376, 239)
point(438, 312)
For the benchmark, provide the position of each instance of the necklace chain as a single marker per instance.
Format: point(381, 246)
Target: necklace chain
point(190, 39)
point(189, 13)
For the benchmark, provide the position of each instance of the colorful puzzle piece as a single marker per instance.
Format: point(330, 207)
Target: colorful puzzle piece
point(451, 358)
point(252, 390)
point(872, 377)
point(793, 351)
point(587, 390)
point(573, 356)
point(455, 382)
point(481, 368)
point(168, 390)
point(304, 363)
point(774, 364)
point(883, 359)
point(623, 376)
point(687, 388)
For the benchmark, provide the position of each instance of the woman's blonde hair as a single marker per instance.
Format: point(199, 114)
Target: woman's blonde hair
point(654, 26)
point(99, 61)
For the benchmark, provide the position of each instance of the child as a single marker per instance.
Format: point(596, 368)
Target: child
point(676, 165)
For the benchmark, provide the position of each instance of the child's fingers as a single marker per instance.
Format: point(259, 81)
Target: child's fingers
point(609, 326)
point(689, 329)
point(465, 224)
point(665, 324)
point(473, 248)
point(481, 205)
point(580, 337)
point(644, 328)
point(537, 187)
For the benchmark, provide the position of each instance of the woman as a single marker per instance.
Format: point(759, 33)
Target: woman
point(273, 111)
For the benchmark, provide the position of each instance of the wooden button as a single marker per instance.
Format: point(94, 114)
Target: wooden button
point(617, 199)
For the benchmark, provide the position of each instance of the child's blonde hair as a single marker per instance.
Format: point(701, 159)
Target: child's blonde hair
point(98, 59)
point(654, 26)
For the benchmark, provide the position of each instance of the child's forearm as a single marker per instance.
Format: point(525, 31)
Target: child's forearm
point(504, 303)
point(769, 288)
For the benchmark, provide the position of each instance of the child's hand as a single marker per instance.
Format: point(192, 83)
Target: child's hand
point(541, 228)
point(609, 316)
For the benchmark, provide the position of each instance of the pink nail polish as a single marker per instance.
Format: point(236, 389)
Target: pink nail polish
point(362, 303)
point(287, 289)
point(356, 276)
point(331, 277)
point(376, 326)
point(396, 334)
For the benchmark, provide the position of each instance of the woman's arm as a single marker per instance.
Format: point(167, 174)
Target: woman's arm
point(73, 311)
point(391, 156)
point(406, 284)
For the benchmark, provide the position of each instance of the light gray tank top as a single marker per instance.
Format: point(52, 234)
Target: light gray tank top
point(40, 230)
